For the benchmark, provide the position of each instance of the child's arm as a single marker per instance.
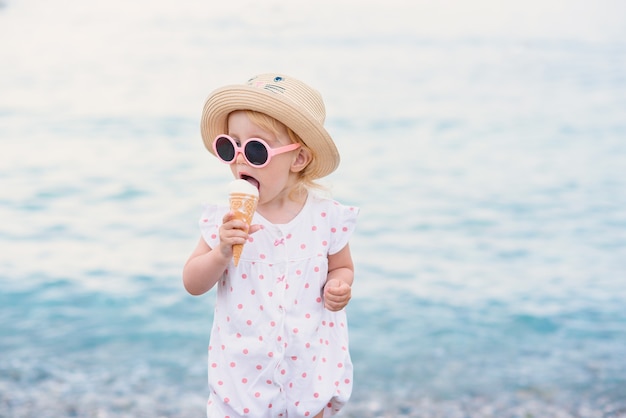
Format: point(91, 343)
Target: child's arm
point(205, 265)
point(338, 288)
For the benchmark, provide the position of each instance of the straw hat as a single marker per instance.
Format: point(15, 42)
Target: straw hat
point(284, 98)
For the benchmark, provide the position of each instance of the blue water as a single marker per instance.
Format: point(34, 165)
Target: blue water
point(485, 144)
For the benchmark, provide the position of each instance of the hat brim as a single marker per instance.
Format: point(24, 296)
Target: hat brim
point(225, 100)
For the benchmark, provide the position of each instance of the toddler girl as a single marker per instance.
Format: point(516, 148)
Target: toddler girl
point(279, 342)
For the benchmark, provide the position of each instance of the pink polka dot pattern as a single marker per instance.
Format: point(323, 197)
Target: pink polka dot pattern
point(274, 347)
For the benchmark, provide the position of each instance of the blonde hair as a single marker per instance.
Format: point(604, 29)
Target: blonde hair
point(268, 123)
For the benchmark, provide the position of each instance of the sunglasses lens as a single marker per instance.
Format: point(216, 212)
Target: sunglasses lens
point(256, 153)
point(225, 149)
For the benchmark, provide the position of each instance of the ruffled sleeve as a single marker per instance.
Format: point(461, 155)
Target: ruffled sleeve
point(342, 225)
point(210, 222)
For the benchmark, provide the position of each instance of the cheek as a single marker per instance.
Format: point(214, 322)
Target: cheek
point(276, 172)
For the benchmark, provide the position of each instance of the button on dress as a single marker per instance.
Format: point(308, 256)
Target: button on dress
point(275, 351)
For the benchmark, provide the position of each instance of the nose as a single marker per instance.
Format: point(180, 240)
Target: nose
point(239, 157)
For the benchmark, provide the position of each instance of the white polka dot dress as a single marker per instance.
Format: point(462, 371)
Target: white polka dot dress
point(275, 351)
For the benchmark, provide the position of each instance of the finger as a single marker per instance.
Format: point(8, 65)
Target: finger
point(338, 291)
point(230, 215)
point(234, 234)
point(334, 306)
point(331, 284)
point(337, 298)
point(235, 224)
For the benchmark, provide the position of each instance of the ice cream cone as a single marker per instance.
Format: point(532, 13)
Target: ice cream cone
point(243, 200)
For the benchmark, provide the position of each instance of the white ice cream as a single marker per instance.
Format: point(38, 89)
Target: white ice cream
point(242, 187)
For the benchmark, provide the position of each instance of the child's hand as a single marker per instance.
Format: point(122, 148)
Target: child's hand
point(234, 231)
point(337, 293)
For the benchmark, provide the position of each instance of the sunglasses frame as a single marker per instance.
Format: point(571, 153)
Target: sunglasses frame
point(241, 149)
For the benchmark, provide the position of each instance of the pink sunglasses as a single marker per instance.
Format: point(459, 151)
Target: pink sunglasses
point(255, 151)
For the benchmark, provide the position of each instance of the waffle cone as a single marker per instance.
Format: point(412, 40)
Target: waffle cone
point(243, 206)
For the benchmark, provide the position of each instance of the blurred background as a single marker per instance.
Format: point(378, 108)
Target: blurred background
point(484, 141)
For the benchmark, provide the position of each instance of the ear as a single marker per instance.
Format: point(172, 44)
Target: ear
point(303, 158)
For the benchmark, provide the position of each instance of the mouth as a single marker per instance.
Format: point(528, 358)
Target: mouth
point(250, 180)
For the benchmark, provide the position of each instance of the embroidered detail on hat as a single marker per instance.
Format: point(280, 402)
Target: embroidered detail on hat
point(267, 86)
point(274, 88)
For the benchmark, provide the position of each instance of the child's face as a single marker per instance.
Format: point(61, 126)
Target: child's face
point(276, 178)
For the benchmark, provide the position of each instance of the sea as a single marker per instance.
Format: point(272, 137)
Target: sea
point(484, 141)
